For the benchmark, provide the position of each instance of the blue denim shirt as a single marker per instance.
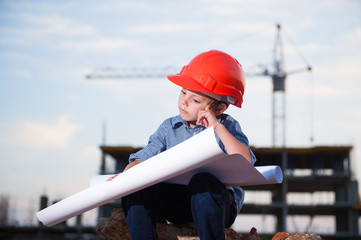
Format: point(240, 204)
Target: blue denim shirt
point(175, 130)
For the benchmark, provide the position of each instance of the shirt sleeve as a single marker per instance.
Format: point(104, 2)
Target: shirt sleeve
point(235, 129)
point(156, 144)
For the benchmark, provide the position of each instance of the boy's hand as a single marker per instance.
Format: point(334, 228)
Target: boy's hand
point(207, 118)
point(130, 165)
point(112, 177)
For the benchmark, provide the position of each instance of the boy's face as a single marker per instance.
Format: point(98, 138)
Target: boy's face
point(190, 103)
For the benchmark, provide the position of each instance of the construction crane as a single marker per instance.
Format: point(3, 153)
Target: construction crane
point(278, 76)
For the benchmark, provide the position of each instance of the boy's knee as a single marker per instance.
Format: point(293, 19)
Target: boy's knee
point(135, 199)
point(204, 182)
point(202, 178)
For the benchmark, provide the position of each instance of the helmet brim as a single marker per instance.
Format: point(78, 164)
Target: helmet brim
point(188, 83)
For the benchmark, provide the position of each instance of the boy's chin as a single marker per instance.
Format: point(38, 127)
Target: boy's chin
point(189, 121)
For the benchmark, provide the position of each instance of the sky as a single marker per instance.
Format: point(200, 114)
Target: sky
point(53, 119)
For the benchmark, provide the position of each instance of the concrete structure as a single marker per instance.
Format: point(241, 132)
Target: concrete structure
point(306, 170)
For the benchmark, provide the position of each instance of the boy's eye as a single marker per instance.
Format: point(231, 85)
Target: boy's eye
point(196, 101)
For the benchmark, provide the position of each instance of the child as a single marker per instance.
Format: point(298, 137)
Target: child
point(210, 82)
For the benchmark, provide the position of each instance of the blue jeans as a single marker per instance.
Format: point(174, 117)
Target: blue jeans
point(205, 201)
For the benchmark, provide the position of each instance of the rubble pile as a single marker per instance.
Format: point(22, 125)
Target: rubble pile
point(115, 228)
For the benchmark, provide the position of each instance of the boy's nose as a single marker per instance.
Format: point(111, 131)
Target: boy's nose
point(185, 101)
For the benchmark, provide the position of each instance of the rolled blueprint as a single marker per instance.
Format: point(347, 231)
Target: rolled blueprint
point(201, 153)
point(190, 154)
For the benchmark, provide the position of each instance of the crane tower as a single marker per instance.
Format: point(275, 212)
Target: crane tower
point(279, 76)
point(278, 93)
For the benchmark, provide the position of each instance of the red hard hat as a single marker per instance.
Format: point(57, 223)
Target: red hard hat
point(216, 73)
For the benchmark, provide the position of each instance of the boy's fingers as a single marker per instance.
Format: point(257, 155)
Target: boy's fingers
point(112, 177)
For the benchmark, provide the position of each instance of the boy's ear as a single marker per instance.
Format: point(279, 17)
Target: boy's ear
point(220, 109)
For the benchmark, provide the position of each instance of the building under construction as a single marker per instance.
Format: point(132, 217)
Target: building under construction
point(306, 171)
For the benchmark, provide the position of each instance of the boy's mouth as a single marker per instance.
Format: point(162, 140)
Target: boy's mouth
point(181, 110)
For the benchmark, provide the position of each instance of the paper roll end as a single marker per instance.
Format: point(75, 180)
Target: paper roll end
point(40, 216)
point(279, 174)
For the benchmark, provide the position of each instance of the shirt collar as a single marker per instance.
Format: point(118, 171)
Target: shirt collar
point(178, 121)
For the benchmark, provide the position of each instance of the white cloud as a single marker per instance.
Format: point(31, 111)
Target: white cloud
point(351, 42)
point(102, 44)
point(40, 30)
point(339, 76)
point(240, 8)
point(124, 7)
point(39, 136)
point(56, 25)
point(165, 28)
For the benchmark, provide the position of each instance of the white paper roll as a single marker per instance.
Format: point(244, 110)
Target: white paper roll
point(200, 153)
point(190, 154)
